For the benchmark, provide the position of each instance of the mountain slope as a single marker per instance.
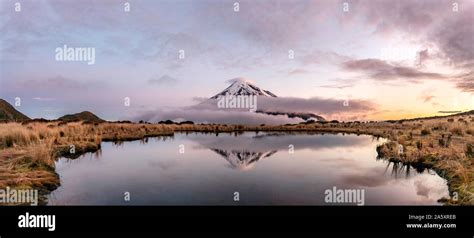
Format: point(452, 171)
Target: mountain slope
point(305, 116)
point(9, 113)
point(82, 116)
point(242, 86)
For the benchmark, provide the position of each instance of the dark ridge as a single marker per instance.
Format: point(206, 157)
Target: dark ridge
point(9, 113)
point(82, 116)
point(303, 115)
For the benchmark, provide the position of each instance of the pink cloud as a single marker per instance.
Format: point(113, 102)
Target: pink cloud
point(382, 70)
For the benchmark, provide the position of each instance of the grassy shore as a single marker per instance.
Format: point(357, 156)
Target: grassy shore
point(29, 150)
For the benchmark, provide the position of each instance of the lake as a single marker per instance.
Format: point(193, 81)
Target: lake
point(241, 169)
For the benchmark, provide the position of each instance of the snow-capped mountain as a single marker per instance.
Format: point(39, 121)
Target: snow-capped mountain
point(243, 86)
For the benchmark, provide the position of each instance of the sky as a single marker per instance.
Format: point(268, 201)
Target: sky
point(389, 59)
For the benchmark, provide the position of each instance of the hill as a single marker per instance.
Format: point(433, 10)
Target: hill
point(82, 116)
point(9, 113)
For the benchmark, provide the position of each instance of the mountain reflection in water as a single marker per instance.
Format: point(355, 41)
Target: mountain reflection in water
point(265, 168)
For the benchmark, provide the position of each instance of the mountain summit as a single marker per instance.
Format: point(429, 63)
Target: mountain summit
point(243, 86)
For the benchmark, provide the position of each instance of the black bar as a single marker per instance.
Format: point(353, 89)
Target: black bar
point(238, 218)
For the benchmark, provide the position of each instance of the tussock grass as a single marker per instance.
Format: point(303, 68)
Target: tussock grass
point(449, 152)
point(28, 151)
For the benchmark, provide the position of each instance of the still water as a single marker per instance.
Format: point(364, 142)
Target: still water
point(256, 168)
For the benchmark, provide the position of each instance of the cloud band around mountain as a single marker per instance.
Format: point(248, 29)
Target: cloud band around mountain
point(206, 111)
